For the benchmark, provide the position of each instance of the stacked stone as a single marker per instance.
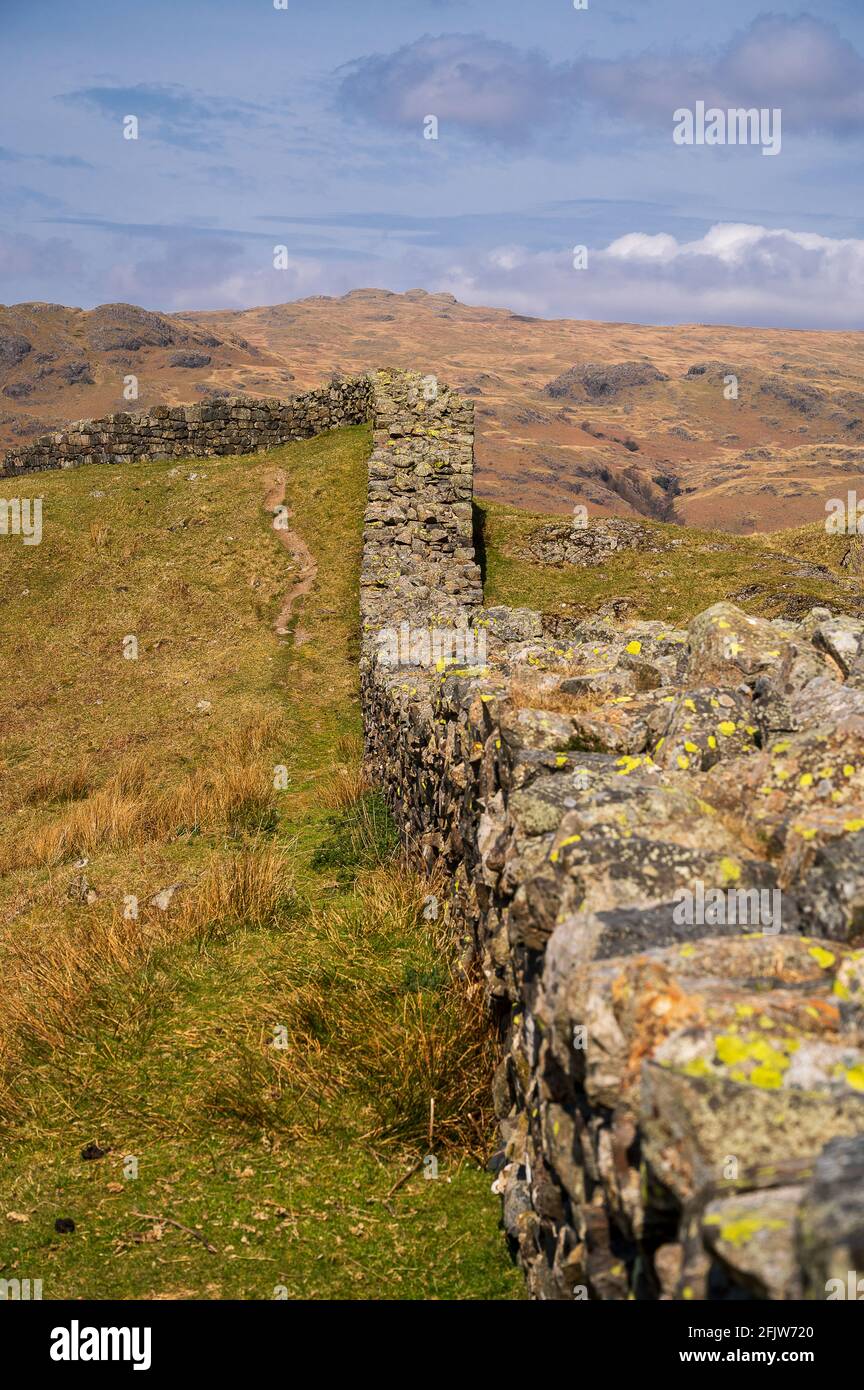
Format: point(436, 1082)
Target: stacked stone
point(239, 425)
point(681, 1102)
point(562, 543)
point(418, 551)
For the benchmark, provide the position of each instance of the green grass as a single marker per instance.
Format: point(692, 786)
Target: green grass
point(757, 572)
point(294, 920)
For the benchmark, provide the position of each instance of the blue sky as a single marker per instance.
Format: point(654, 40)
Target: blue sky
point(303, 127)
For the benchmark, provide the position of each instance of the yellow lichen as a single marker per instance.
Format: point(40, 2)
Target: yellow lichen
point(739, 1232)
point(697, 1066)
point(824, 959)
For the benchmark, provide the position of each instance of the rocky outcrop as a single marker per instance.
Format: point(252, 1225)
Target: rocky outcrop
point(597, 380)
point(655, 845)
point(13, 349)
point(238, 425)
point(592, 544)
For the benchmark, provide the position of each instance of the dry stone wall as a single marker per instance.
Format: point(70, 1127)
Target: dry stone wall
point(238, 425)
point(654, 841)
point(655, 845)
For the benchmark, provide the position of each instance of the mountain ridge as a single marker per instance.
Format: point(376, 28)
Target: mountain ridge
point(769, 459)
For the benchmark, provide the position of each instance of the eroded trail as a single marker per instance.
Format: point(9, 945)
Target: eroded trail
point(300, 553)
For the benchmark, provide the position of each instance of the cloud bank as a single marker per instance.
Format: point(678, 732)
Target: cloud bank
point(737, 273)
point(495, 91)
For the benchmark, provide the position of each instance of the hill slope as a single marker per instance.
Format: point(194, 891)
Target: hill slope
point(629, 420)
point(251, 1050)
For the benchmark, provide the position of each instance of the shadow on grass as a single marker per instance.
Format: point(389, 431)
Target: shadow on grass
point(478, 525)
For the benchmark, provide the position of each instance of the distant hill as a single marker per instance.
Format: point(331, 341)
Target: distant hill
point(630, 420)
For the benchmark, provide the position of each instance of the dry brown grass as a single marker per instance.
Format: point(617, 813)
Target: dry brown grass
point(58, 785)
point(430, 1061)
point(251, 738)
point(48, 975)
point(50, 972)
point(532, 690)
point(57, 957)
point(131, 808)
point(344, 786)
point(439, 1045)
point(255, 887)
point(347, 781)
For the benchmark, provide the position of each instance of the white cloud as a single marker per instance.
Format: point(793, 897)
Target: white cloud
point(494, 90)
point(740, 273)
point(470, 82)
point(640, 246)
point(736, 273)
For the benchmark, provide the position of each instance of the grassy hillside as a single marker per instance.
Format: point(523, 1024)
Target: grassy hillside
point(783, 573)
point(263, 1043)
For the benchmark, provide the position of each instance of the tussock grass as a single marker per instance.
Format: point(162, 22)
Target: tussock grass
point(55, 785)
point(132, 808)
point(46, 982)
point(426, 1070)
point(54, 984)
point(411, 1027)
point(253, 888)
point(347, 782)
point(254, 736)
point(382, 1013)
point(361, 834)
point(344, 787)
